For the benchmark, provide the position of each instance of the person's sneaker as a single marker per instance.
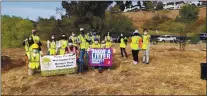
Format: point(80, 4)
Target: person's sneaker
point(147, 63)
point(135, 63)
point(143, 62)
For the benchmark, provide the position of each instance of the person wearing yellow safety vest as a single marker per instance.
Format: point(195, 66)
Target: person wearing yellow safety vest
point(34, 60)
point(52, 46)
point(95, 35)
point(97, 45)
point(83, 42)
point(36, 39)
point(62, 44)
point(90, 38)
point(103, 44)
point(135, 45)
point(73, 38)
point(108, 41)
point(145, 46)
point(123, 44)
point(27, 45)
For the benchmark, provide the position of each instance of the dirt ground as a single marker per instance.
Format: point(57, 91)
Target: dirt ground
point(170, 72)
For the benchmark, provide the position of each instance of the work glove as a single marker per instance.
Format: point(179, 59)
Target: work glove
point(25, 39)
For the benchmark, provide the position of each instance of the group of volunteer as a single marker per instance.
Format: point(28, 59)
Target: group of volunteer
point(80, 45)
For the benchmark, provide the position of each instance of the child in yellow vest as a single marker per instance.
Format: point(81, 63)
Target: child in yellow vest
point(52, 46)
point(34, 60)
point(123, 44)
point(145, 46)
point(97, 45)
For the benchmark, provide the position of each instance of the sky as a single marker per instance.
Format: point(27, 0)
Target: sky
point(31, 10)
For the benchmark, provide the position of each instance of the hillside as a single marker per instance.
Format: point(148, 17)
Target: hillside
point(170, 72)
point(140, 17)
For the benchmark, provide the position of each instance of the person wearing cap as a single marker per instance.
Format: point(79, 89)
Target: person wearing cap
point(34, 60)
point(52, 46)
point(27, 45)
point(82, 40)
point(63, 42)
point(108, 41)
point(72, 49)
point(145, 46)
point(73, 38)
point(123, 44)
point(135, 45)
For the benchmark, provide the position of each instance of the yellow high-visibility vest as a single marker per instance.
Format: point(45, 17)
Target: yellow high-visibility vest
point(74, 40)
point(146, 41)
point(34, 60)
point(95, 45)
point(64, 45)
point(135, 42)
point(122, 43)
point(35, 38)
point(83, 44)
point(52, 48)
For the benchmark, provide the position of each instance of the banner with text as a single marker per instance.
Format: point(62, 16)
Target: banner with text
point(100, 57)
point(58, 64)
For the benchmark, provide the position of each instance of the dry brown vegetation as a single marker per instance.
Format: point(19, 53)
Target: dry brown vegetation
point(170, 72)
point(139, 18)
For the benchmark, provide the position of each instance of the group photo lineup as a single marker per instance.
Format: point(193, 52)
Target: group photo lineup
point(133, 47)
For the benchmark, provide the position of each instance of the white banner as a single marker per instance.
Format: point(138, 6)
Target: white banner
point(58, 62)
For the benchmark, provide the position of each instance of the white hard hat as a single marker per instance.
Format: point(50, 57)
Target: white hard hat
point(136, 31)
point(81, 29)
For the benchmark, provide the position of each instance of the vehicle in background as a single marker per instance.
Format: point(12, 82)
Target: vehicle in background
point(182, 39)
point(153, 39)
point(114, 38)
point(203, 36)
point(166, 38)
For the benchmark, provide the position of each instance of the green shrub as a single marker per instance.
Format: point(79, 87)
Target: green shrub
point(14, 31)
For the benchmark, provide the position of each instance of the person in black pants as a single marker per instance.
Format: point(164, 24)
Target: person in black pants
point(136, 42)
point(123, 43)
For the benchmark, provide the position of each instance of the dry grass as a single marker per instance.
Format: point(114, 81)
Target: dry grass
point(170, 72)
point(139, 18)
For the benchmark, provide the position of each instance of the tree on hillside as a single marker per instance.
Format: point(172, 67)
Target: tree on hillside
point(149, 5)
point(139, 4)
point(159, 6)
point(47, 27)
point(115, 9)
point(189, 13)
point(128, 4)
point(86, 11)
point(121, 5)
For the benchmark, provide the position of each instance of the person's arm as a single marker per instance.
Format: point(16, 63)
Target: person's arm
point(66, 50)
point(48, 44)
point(23, 43)
point(140, 43)
point(77, 51)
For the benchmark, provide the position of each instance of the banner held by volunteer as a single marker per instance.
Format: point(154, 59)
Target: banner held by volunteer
point(58, 64)
point(100, 57)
